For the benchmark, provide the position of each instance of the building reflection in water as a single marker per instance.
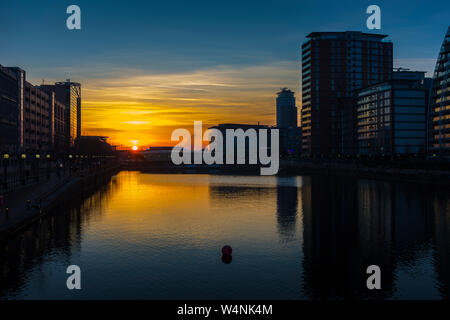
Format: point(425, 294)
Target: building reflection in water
point(441, 240)
point(350, 224)
point(335, 258)
point(56, 235)
point(287, 207)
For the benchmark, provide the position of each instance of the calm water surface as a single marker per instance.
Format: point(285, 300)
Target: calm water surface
point(158, 236)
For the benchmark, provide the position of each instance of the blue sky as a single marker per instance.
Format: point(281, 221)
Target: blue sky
point(181, 35)
point(242, 51)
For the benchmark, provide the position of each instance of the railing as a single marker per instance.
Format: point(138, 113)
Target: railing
point(19, 177)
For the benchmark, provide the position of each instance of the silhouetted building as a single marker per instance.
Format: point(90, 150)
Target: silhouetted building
point(93, 145)
point(57, 124)
point(69, 93)
point(159, 155)
point(334, 64)
point(391, 115)
point(248, 130)
point(36, 119)
point(286, 109)
point(440, 103)
point(9, 111)
point(290, 134)
point(290, 141)
point(31, 117)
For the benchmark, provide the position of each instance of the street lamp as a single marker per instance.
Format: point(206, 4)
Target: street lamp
point(5, 168)
point(23, 156)
point(48, 165)
point(38, 156)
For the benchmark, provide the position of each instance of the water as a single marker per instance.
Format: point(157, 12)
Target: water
point(158, 236)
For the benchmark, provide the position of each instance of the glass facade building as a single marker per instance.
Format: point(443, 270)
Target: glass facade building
point(334, 65)
point(439, 133)
point(391, 116)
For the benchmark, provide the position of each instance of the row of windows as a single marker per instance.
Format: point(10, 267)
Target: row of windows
point(362, 141)
point(37, 123)
point(38, 141)
point(38, 133)
point(441, 127)
point(444, 117)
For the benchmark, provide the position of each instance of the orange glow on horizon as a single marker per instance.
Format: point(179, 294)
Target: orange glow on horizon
point(149, 107)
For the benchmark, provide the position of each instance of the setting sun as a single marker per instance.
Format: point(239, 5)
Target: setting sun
point(134, 148)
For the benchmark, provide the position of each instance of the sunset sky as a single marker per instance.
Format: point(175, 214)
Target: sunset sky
point(148, 67)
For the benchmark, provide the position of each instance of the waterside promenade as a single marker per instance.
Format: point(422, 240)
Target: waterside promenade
point(27, 204)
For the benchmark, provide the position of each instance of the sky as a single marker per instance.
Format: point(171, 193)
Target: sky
point(149, 67)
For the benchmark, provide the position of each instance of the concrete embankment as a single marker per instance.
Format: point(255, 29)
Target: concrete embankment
point(73, 188)
point(417, 175)
point(438, 175)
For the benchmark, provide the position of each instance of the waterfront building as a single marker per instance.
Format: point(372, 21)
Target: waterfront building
point(286, 109)
point(93, 145)
point(290, 134)
point(31, 112)
point(36, 119)
point(439, 137)
point(245, 127)
point(290, 141)
point(391, 115)
point(32, 119)
point(9, 111)
point(159, 155)
point(334, 65)
point(69, 93)
point(57, 124)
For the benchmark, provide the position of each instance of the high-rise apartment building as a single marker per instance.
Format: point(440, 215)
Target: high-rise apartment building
point(334, 65)
point(439, 125)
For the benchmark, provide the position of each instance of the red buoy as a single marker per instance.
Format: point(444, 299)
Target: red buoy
point(227, 250)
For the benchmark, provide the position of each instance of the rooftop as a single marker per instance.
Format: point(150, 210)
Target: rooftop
point(346, 35)
point(238, 126)
point(285, 90)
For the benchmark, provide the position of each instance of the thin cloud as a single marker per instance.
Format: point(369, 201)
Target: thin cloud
point(163, 102)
